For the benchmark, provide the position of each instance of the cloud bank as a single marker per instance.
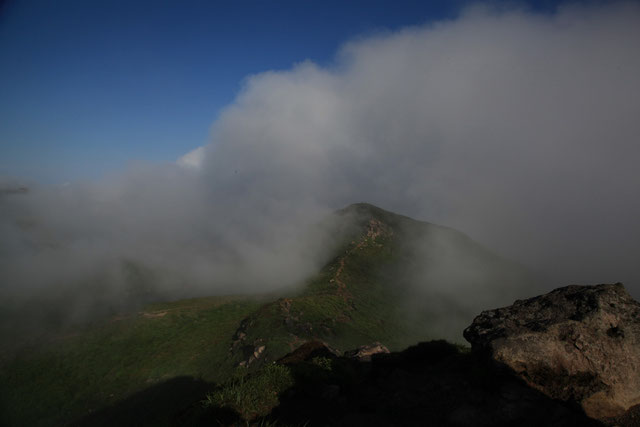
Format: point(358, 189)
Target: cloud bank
point(517, 128)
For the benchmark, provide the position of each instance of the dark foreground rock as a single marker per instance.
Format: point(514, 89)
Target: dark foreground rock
point(432, 383)
point(578, 344)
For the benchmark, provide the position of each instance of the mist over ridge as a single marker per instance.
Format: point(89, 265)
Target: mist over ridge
point(517, 128)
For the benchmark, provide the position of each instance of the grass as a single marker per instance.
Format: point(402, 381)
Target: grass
point(252, 396)
point(106, 363)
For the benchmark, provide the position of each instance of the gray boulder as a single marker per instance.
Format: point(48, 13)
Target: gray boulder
point(577, 343)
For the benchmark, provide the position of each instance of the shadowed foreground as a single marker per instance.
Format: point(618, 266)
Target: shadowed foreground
point(173, 402)
point(432, 383)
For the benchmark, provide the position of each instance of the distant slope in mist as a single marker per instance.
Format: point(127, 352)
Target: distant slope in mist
point(392, 279)
point(389, 278)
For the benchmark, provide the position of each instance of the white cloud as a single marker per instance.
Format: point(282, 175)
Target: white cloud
point(193, 159)
point(520, 129)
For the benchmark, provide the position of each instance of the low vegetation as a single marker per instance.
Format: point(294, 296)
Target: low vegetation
point(80, 374)
point(255, 395)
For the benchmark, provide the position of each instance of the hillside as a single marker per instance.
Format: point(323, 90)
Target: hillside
point(389, 278)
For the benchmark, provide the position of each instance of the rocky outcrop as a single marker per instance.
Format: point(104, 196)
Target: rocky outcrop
point(577, 344)
point(250, 351)
point(308, 351)
point(365, 352)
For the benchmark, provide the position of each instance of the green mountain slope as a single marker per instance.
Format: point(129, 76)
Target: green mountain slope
point(78, 374)
point(389, 279)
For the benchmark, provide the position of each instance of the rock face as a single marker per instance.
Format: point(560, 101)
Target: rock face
point(307, 351)
point(365, 352)
point(578, 344)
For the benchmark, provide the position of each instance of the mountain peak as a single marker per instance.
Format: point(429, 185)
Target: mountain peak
point(365, 208)
point(363, 212)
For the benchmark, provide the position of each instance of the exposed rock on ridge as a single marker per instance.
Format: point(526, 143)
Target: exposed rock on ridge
point(577, 343)
point(365, 352)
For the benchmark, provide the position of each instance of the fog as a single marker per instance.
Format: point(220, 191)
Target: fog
point(520, 129)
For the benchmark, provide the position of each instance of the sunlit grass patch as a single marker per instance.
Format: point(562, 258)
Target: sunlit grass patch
point(252, 395)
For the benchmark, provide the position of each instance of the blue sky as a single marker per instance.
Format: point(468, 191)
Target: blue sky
point(86, 87)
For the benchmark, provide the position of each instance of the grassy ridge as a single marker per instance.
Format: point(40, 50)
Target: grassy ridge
point(350, 302)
